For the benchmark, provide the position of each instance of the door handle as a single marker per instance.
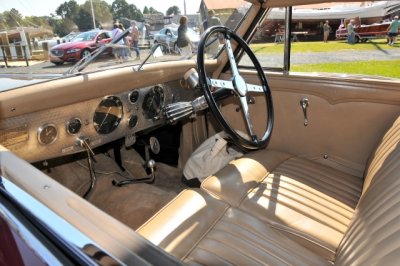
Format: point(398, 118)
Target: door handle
point(304, 102)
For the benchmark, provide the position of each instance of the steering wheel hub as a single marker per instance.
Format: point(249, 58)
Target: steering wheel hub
point(240, 85)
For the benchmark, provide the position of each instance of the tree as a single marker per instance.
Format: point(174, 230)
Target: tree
point(146, 10)
point(173, 10)
point(36, 22)
point(153, 11)
point(102, 14)
point(12, 18)
point(121, 9)
point(84, 20)
point(3, 23)
point(60, 26)
point(68, 10)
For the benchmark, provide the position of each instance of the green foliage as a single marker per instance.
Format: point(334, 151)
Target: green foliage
point(388, 68)
point(153, 11)
point(332, 46)
point(173, 10)
point(146, 10)
point(121, 10)
point(84, 20)
point(12, 19)
point(33, 21)
point(102, 13)
point(68, 10)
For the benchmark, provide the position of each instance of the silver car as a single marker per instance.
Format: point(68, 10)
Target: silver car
point(169, 35)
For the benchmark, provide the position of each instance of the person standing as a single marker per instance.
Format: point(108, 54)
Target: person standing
point(327, 29)
point(135, 39)
point(118, 50)
point(211, 20)
point(351, 34)
point(393, 30)
point(124, 50)
point(183, 41)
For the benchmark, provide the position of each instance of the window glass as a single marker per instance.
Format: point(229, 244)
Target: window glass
point(268, 41)
point(58, 44)
point(320, 43)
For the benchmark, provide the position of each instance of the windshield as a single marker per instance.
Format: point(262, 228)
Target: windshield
point(56, 38)
point(86, 36)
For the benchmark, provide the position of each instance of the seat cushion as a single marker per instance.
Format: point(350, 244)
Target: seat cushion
point(306, 200)
point(199, 229)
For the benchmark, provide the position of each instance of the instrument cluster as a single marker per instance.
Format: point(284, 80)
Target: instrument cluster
point(100, 121)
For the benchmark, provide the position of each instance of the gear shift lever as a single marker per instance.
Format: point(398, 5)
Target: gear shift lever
point(150, 167)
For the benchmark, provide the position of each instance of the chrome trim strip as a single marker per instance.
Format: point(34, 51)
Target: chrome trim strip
point(72, 236)
point(30, 239)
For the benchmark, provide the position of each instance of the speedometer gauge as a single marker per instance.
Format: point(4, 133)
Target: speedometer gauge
point(108, 115)
point(153, 102)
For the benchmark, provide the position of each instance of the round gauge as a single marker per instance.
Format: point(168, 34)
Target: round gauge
point(74, 126)
point(133, 121)
point(108, 115)
point(133, 97)
point(47, 134)
point(153, 102)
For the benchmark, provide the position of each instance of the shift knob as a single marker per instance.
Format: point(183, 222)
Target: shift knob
point(151, 164)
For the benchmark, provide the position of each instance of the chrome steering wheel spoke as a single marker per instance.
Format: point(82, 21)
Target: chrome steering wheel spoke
point(220, 83)
point(247, 117)
point(238, 85)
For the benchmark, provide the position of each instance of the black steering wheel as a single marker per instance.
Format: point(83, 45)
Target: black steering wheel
point(237, 86)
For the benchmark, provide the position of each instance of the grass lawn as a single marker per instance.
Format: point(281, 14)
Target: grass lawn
point(389, 68)
point(303, 47)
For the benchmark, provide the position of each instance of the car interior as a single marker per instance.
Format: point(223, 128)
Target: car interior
point(202, 162)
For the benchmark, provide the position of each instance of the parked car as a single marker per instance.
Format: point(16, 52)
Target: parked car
point(248, 154)
point(57, 40)
point(82, 45)
point(169, 35)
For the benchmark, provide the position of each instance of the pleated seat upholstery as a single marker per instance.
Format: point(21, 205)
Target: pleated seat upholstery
point(202, 230)
point(309, 201)
point(271, 208)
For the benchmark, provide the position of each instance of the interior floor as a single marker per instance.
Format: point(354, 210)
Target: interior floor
point(132, 204)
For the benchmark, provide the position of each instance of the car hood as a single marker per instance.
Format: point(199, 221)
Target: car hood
point(13, 81)
point(68, 45)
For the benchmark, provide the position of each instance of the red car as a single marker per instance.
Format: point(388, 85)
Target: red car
point(80, 46)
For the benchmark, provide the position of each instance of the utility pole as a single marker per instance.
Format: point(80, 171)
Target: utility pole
point(94, 20)
point(184, 7)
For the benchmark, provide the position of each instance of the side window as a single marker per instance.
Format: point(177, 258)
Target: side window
point(268, 41)
point(102, 36)
point(323, 41)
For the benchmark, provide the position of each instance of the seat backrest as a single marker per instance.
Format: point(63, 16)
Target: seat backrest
point(373, 237)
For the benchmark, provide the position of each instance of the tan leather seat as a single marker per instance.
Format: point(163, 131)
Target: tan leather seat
point(272, 208)
point(309, 201)
point(199, 229)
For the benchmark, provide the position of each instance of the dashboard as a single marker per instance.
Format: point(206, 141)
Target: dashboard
point(53, 133)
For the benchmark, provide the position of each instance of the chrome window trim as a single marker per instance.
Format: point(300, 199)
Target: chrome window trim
point(74, 238)
point(30, 239)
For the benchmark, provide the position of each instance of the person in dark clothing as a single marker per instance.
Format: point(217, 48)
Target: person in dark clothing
point(211, 20)
point(183, 41)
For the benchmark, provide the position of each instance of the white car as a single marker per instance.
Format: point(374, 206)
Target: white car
point(169, 35)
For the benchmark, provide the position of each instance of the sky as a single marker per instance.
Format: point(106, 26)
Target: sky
point(45, 7)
